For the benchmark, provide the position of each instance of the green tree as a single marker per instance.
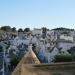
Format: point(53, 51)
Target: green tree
point(72, 52)
point(63, 29)
point(63, 58)
point(44, 31)
point(26, 29)
point(6, 28)
point(13, 29)
point(20, 30)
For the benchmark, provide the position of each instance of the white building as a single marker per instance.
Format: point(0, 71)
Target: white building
point(37, 31)
point(65, 45)
point(17, 41)
point(65, 37)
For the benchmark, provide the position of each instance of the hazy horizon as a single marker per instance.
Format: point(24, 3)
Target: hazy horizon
point(37, 13)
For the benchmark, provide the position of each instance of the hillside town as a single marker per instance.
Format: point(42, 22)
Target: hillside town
point(45, 43)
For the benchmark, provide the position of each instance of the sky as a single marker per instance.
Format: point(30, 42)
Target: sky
point(37, 13)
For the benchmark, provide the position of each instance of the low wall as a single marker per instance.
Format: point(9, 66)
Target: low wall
point(67, 68)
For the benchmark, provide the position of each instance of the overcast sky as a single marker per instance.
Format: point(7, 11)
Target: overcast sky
point(37, 13)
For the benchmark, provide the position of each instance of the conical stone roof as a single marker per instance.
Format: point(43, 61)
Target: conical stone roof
point(29, 58)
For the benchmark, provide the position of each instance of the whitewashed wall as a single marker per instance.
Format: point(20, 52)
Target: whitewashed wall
point(70, 38)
